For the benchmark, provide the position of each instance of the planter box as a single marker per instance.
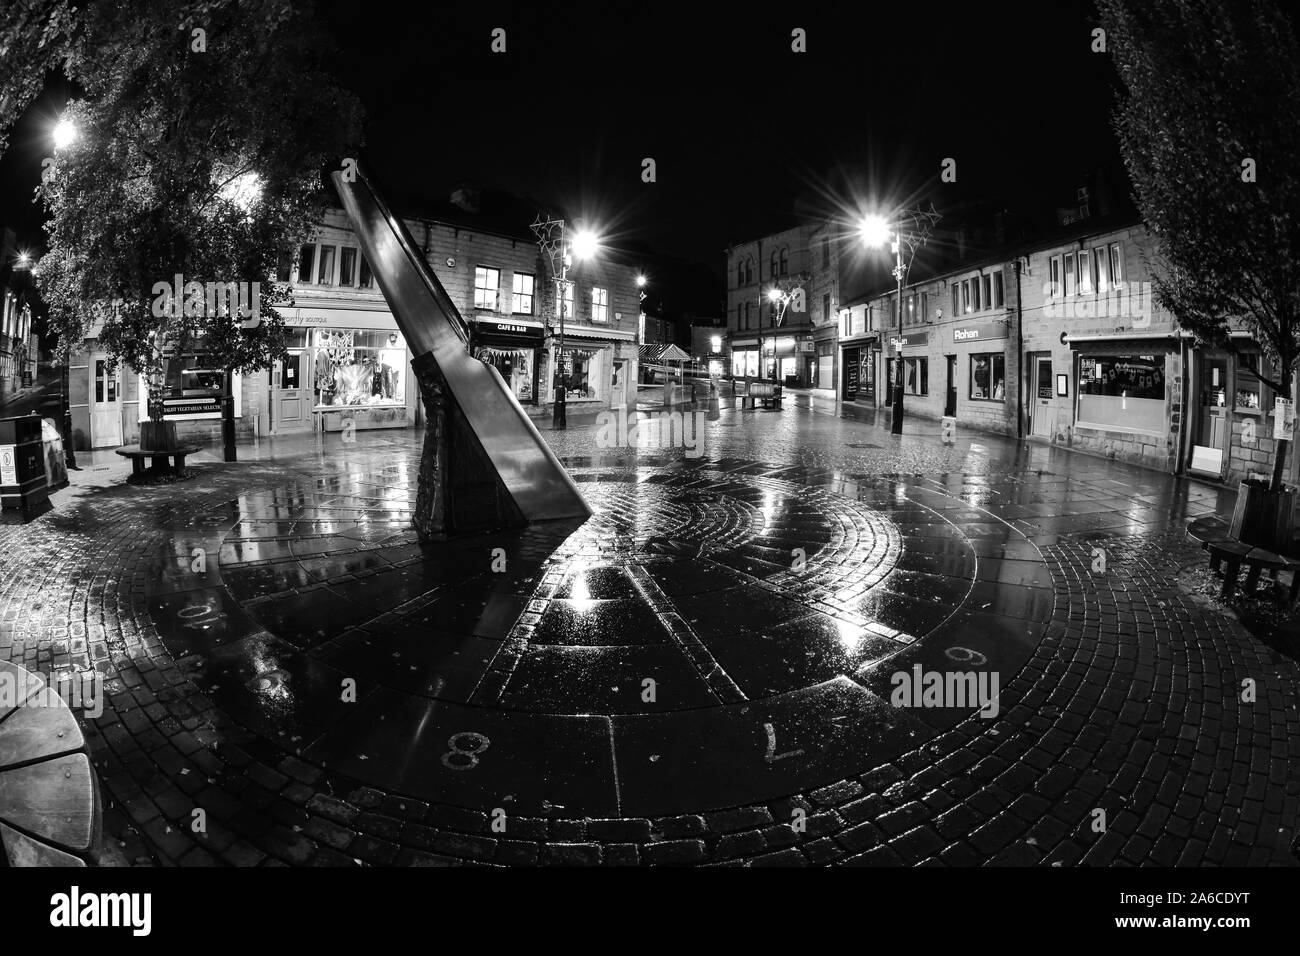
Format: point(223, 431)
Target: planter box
point(1263, 518)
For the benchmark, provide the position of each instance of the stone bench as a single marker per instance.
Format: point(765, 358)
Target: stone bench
point(159, 457)
point(1212, 535)
point(49, 799)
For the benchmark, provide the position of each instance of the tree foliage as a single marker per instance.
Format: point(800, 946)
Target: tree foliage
point(184, 105)
point(1209, 85)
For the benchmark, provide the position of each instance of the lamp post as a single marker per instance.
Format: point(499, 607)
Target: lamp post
point(553, 239)
point(913, 228)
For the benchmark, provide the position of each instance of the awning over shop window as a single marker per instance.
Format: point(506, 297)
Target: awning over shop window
point(1120, 343)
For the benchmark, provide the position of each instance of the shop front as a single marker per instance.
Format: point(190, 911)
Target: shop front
point(1231, 412)
point(1127, 396)
point(980, 375)
point(596, 368)
point(859, 362)
point(824, 350)
point(512, 348)
point(744, 358)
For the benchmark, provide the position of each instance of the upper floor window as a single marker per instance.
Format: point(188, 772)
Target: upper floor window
point(749, 271)
point(325, 265)
point(367, 280)
point(826, 308)
point(348, 267)
point(826, 252)
point(956, 305)
point(772, 264)
point(1086, 284)
point(523, 294)
point(1068, 278)
point(599, 304)
point(1101, 268)
point(740, 273)
point(785, 265)
point(1116, 263)
point(997, 290)
point(986, 290)
point(568, 300)
point(487, 283)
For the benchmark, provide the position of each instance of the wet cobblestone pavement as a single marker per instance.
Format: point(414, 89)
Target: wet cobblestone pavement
point(700, 673)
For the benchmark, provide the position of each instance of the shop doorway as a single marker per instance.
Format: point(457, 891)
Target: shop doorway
point(105, 403)
point(867, 374)
point(290, 401)
point(618, 385)
point(1212, 427)
point(950, 396)
point(1043, 407)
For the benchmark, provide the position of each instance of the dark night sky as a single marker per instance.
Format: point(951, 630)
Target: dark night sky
point(738, 125)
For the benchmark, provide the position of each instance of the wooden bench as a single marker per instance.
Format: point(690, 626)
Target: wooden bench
point(1212, 535)
point(766, 392)
point(50, 813)
point(160, 458)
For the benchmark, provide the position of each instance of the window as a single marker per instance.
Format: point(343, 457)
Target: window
point(740, 274)
point(746, 315)
point(348, 267)
point(486, 283)
point(1101, 267)
point(925, 307)
point(1085, 272)
point(367, 280)
point(997, 289)
point(1068, 260)
point(599, 304)
point(956, 306)
point(568, 300)
point(773, 264)
point(358, 367)
point(1054, 277)
point(965, 296)
point(325, 268)
point(826, 308)
point(916, 376)
point(1122, 393)
point(523, 293)
point(749, 270)
point(785, 266)
point(986, 290)
point(284, 267)
point(306, 260)
point(1250, 390)
point(826, 253)
point(911, 309)
point(1116, 273)
point(988, 377)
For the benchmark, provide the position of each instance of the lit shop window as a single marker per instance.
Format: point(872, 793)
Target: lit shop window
point(358, 367)
point(1122, 393)
point(988, 376)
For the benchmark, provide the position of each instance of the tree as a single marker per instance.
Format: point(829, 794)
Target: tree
point(202, 133)
point(1209, 127)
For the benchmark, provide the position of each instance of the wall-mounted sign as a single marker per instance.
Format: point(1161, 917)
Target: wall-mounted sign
point(305, 320)
point(979, 332)
point(911, 340)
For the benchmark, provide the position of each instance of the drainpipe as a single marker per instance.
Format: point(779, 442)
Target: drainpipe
point(1020, 358)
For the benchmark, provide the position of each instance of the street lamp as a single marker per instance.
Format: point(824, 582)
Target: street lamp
point(562, 250)
point(914, 228)
point(65, 131)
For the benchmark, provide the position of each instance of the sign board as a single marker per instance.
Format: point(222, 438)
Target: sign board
point(979, 332)
point(1283, 419)
point(8, 465)
point(909, 340)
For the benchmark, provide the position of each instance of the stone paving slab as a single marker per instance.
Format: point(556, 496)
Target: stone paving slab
point(1118, 692)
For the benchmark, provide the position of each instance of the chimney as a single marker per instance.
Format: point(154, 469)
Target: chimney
point(466, 197)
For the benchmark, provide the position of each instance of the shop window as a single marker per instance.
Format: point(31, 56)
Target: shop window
point(1122, 393)
point(347, 266)
point(916, 376)
point(523, 293)
point(988, 377)
point(358, 367)
point(515, 366)
point(751, 364)
point(599, 304)
point(1251, 392)
point(580, 371)
point(487, 283)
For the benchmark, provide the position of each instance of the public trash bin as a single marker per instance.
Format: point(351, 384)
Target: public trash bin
point(22, 463)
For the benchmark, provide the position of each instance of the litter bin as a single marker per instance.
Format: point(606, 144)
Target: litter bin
point(22, 463)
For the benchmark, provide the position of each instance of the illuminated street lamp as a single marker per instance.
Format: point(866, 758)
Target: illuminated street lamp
point(562, 251)
point(875, 231)
point(65, 132)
